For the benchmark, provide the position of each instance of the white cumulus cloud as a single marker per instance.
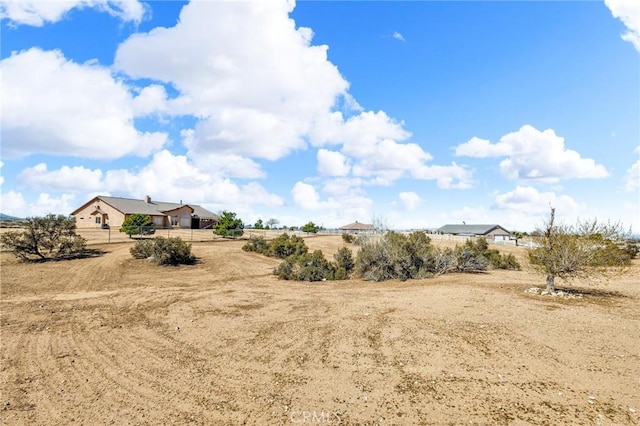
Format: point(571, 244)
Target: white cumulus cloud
point(532, 154)
point(166, 177)
point(253, 78)
point(332, 163)
point(628, 11)
point(39, 12)
point(410, 199)
point(527, 200)
point(52, 105)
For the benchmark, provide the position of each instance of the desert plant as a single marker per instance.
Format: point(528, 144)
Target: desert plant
point(585, 251)
point(229, 225)
point(137, 224)
point(286, 245)
point(310, 267)
point(310, 228)
point(257, 244)
point(344, 260)
point(164, 251)
point(45, 238)
point(348, 238)
point(496, 260)
point(403, 257)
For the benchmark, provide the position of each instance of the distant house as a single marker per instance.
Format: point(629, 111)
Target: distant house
point(103, 212)
point(493, 232)
point(357, 227)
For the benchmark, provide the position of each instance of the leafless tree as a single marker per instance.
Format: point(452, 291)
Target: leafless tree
point(586, 250)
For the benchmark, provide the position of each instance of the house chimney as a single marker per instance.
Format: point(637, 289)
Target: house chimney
point(147, 199)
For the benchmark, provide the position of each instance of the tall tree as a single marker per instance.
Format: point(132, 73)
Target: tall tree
point(586, 250)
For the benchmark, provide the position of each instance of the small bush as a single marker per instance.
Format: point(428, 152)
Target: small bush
point(143, 249)
point(164, 251)
point(315, 267)
point(496, 260)
point(306, 267)
point(344, 260)
point(286, 245)
point(256, 244)
point(348, 238)
point(631, 249)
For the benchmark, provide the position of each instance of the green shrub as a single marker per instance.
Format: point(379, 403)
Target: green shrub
point(164, 251)
point(344, 260)
point(631, 249)
point(286, 245)
point(143, 249)
point(257, 244)
point(348, 238)
point(403, 257)
point(496, 260)
point(396, 256)
point(306, 267)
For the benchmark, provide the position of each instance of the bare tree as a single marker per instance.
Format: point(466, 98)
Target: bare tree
point(272, 222)
point(586, 250)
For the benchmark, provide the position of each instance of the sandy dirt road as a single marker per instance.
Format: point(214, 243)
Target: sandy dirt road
point(113, 340)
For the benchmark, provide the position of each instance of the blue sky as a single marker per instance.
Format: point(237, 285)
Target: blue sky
point(414, 113)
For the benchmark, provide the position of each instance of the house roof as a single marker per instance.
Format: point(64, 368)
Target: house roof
point(357, 226)
point(152, 208)
point(470, 229)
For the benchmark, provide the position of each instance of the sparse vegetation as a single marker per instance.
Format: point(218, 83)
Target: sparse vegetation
point(403, 257)
point(164, 251)
point(51, 237)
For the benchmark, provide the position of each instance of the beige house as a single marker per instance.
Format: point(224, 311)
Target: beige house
point(356, 227)
point(492, 232)
point(111, 212)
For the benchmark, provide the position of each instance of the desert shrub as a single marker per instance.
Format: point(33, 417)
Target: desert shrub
point(496, 260)
point(396, 256)
point(143, 249)
point(403, 257)
point(164, 251)
point(348, 238)
point(257, 244)
point(468, 260)
point(631, 249)
point(344, 260)
point(305, 267)
point(51, 237)
point(286, 245)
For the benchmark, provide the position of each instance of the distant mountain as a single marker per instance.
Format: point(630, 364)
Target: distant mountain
point(7, 217)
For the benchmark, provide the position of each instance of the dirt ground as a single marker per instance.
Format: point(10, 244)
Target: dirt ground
point(114, 340)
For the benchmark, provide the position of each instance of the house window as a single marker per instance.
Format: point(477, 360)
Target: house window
point(98, 219)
